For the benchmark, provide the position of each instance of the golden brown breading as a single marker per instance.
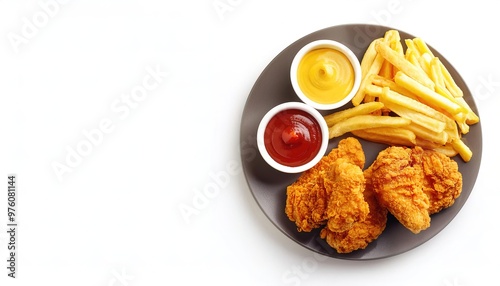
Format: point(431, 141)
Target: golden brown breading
point(306, 205)
point(397, 180)
point(362, 232)
point(443, 181)
point(352, 205)
point(344, 183)
point(307, 198)
point(351, 149)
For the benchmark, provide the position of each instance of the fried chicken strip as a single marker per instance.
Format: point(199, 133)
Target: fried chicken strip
point(398, 182)
point(307, 198)
point(362, 232)
point(344, 184)
point(442, 180)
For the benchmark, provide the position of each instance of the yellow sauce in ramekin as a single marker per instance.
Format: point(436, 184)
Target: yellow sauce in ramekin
point(325, 75)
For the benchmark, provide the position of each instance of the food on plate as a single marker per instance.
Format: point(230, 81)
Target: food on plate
point(413, 183)
point(416, 111)
point(403, 65)
point(426, 94)
point(413, 84)
point(397, 178)
point(387, 135)
point(409, 101)
point(363, 109)
point(362, 232)
point(307, 198)
point(292, 137)
point(351, 205)
point(325, 75)
point(360, 122)
point(344, 183)
point(442, 180)
point(462, 149)
point(371, 64)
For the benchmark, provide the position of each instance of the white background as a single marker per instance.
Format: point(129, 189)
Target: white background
point(113, 217)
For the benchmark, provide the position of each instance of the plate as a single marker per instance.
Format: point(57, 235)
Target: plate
point(268, 186)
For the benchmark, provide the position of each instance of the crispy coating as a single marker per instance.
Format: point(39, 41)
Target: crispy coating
point(344, 183)
point(307, 198)
point(352, 206)
point(362, 232)
point(442, 180)
point(351, 150)
point(397, 180)
point(306, 204)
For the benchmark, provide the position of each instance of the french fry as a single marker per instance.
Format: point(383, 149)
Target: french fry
point(399, 49)
point(416, 87)
point(366, 121)
point(422, 46)
point(426, 144)
point(436, 73)
point(392, 36)
point(447, 150)
point(410, 46)
point(394, 134)
point(450, 82)
point(471, 117)
point(424, 61)
point(403, 65)
point(362, 109)
point(368, 58)
point(396, 98)
point(431, 97)
point(443, 91)
point(423, 120)
point(413, 58)
point(462, 123)
point(376, 64)
point(386, 69)
point(431, 122)
point(463, 150)
point(381, 82)
point(459, 119)
point(440, 138)
point(374, 69)
point(437, 77)
point(387, 135)
point(452, 132)
point(368, 97)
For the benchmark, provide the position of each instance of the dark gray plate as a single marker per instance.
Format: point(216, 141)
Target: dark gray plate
point(268, 186)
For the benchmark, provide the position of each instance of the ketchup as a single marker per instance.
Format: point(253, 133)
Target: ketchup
point(292, 137)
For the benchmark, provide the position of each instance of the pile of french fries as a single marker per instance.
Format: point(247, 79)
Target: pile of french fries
point(406, 98)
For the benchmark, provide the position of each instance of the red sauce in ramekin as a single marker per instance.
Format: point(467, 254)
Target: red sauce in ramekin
point(292, 137)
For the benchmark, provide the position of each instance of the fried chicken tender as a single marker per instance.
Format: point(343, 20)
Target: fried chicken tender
point(307, 198)
point(344, 183)
point(352, 205)
point(362, 232)
point(306, 203)
point(398, 180)
point(443, 181)
point(414, 183)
